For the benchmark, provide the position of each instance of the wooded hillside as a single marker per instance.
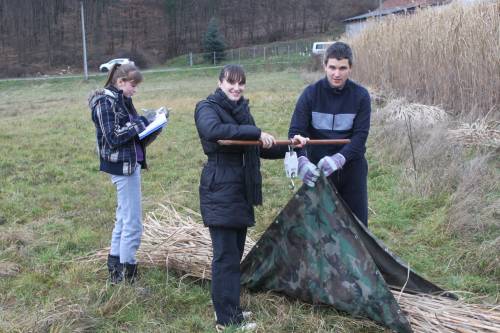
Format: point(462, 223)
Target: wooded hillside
point(37, 36)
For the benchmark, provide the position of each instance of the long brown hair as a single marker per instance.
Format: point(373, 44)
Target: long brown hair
point(126, 72)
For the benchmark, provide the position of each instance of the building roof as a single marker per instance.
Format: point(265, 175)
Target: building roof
point(393, 7)
point(402, 3)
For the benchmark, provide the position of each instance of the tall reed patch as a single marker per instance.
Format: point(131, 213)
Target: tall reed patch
point(443, 127)
point(447, 56)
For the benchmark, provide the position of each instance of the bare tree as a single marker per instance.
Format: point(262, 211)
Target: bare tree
point(44, 35)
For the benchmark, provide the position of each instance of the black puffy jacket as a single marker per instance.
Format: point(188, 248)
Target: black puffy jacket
point(222, 183)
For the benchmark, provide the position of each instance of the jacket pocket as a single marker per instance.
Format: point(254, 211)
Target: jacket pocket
point(207, 177)
point(343, 121)
point(322, 121)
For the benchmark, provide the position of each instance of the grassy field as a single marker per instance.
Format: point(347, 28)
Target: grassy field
point(55, 206)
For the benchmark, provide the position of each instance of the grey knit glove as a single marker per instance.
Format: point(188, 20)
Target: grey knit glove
point(330, 164)
point(308, 172)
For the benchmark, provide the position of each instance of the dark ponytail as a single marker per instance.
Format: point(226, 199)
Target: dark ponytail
point(111, 74)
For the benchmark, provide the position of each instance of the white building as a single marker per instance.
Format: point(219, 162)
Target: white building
point(354, 25)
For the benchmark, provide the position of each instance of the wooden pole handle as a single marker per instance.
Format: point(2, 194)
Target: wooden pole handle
point(282, 142)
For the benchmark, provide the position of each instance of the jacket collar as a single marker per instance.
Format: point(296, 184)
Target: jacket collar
point(117, 94)
point(337, 91)
point(109, 91)
point(113, 92)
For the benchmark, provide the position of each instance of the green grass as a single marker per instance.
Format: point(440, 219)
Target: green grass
point(55, 206)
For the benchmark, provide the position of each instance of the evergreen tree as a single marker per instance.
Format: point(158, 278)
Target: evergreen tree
point(213, 41)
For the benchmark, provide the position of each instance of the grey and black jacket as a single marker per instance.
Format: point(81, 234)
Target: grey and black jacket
point(324, 112)
point(117, 126)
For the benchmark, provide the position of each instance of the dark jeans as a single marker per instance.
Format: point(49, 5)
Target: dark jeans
point(228, 245)
point(351, 182)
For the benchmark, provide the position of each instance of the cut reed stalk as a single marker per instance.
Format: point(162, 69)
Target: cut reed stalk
point(177, 241)
point(429, 313)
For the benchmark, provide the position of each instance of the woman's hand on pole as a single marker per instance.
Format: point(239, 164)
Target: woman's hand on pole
point(267, 140)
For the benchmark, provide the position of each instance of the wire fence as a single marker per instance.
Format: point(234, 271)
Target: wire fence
point(278, 52)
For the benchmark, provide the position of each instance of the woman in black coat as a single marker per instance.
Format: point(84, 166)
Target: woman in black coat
point(230, 186)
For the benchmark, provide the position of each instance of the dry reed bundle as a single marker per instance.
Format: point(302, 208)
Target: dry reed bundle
point(434, 314)
point(479, 133)
point(179, 242)
point(400, 110)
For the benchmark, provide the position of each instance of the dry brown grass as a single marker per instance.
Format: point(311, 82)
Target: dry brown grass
point(431, 162)
point(61, 315)
point(176, 240)
point(474, 205)
point(11, 237)
point(492, 260)
point(377, 96)
point(439, 161)
point(9, 269)
point(478, 133)
point(447, 159)
point(447, 56)
point(400, 110)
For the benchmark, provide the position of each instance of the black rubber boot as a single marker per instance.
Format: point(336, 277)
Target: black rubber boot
point(115, 269)
point(130, 272)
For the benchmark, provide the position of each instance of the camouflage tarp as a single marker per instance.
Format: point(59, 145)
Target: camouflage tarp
point(316, 250)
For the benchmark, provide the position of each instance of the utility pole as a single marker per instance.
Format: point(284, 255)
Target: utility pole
point(86, 74)
point(378, 14)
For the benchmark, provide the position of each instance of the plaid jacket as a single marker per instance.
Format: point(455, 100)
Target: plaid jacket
point(116, 132)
